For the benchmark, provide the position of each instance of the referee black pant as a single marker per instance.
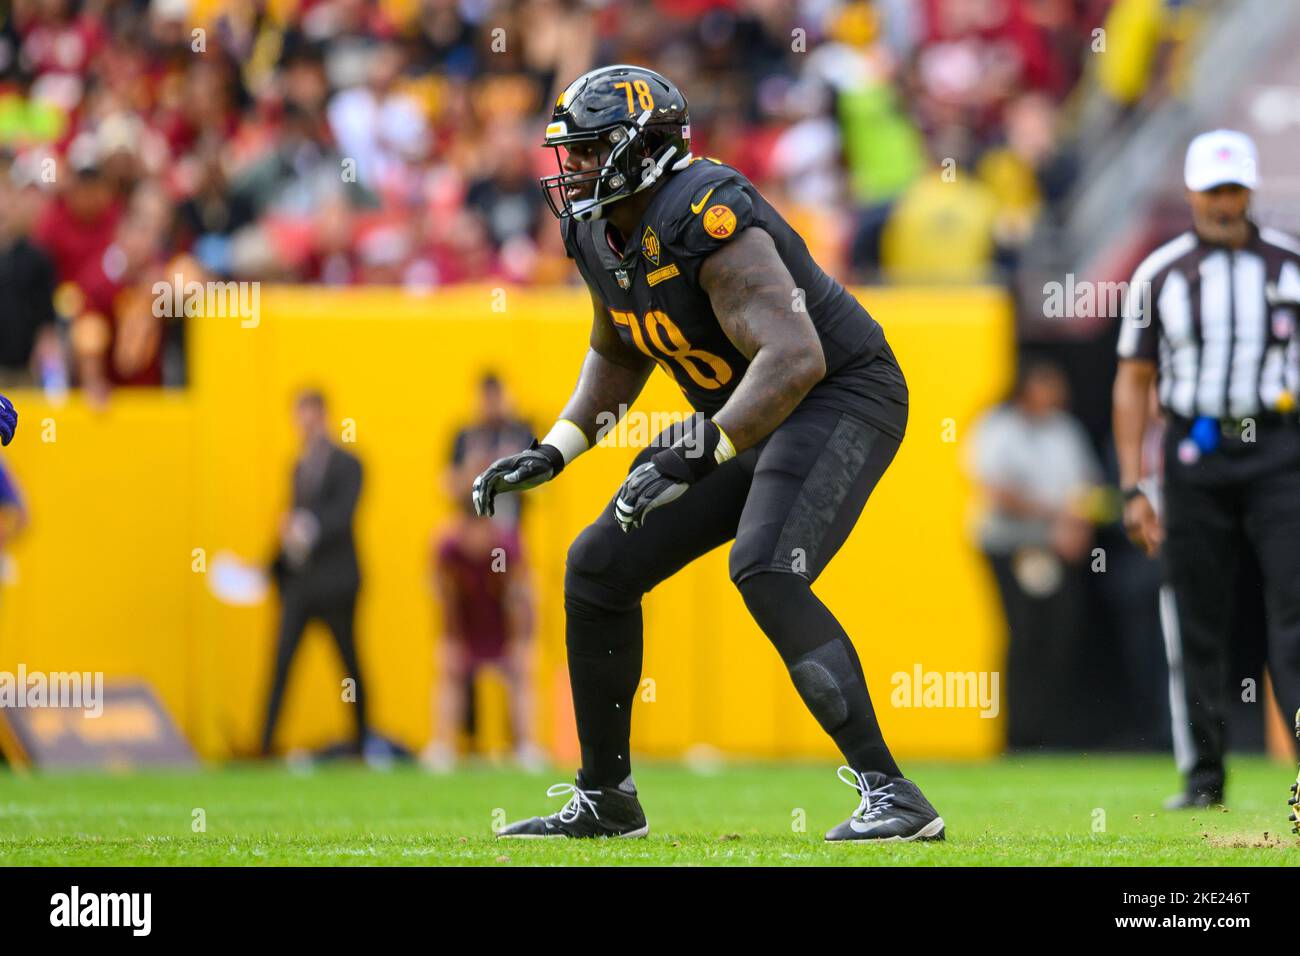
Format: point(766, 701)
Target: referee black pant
point(1245, 494)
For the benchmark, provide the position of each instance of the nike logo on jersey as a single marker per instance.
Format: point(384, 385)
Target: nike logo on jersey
point(697, 208)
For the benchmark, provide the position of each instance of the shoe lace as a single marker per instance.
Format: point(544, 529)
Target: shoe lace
point(579, 800)
point(874, 801)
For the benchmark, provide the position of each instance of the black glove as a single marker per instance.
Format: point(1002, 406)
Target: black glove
point(667, 475)
point(528, 469)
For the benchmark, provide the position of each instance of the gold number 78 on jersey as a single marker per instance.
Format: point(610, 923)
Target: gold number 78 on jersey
point(704, 368)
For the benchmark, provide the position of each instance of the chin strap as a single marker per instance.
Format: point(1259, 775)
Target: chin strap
point(654, 172)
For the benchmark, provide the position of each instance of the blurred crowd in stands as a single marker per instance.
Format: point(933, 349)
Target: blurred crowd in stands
point(396, 142)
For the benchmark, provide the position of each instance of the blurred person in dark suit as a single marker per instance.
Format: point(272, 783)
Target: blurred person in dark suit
point(316, 567)
point(30, 350)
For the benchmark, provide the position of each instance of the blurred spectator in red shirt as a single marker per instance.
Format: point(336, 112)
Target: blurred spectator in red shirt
point(80, 222)
point(425, 116)
point(487, 611)
point(117, 333)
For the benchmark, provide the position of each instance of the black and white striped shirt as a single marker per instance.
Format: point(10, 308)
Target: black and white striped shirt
point(1220, 322)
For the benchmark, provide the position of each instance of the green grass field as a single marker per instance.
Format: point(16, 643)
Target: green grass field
point(1042, 810)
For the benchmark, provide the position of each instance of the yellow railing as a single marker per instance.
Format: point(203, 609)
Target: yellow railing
point(128, 503)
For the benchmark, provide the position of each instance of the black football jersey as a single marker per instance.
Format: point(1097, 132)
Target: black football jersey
point(654, 296)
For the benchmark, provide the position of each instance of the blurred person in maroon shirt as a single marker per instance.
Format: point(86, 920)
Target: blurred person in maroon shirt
point(117, 333)
point(80, 222)
point(482, 584)
point(467, 254)
point(487, 613)
point(333, 257)
point(59, 41)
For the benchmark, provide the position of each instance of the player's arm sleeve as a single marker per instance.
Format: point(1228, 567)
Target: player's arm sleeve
point(1139, 331)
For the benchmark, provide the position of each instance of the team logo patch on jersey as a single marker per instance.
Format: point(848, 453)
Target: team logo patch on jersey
point(719, 221)
point(650, 246)
point(624, 280)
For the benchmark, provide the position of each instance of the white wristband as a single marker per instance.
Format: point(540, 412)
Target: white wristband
point(568, 438)
point(725, 450)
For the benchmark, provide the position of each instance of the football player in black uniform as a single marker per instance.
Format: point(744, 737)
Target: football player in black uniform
point(800, 407)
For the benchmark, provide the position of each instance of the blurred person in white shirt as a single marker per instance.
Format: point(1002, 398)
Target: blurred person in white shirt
point(1036, 471)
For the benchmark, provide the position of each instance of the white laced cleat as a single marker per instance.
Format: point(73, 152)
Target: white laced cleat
point(597, 812)
point(891, 810)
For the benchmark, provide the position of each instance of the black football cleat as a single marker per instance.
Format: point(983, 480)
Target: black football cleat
point(1194, 799)
point(598, 812)
point(892, 810)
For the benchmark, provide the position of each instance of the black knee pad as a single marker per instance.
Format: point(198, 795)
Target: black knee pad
point(592, 584)
point(825, 679)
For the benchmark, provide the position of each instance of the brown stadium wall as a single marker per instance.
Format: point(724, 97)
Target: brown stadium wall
point(108, 577)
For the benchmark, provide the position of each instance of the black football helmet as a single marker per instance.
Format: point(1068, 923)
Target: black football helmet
point(638, 115)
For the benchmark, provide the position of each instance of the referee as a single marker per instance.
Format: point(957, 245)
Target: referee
point(1209, 319)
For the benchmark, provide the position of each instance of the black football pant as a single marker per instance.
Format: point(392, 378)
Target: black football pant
point(789, 503)
point(1243, 495)
point(295, 613)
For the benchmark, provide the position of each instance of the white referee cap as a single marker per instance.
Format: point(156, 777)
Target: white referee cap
point(1221, 156)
